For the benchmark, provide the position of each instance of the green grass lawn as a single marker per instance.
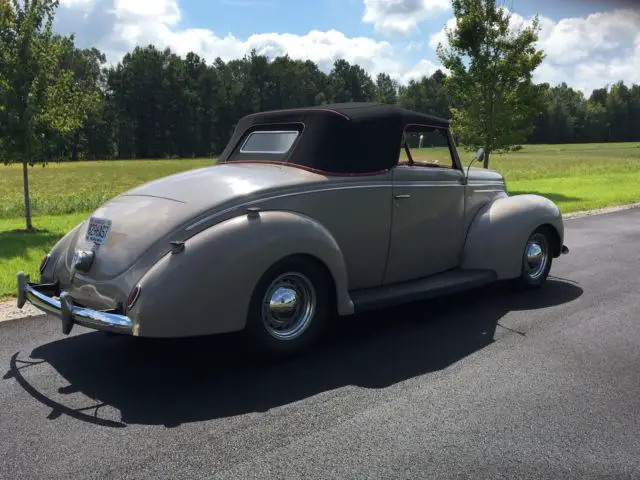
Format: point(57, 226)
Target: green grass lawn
point(61, 188)
point(577, 177)
point(25, 251)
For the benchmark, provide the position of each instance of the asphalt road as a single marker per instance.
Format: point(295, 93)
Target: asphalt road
point(491, 383)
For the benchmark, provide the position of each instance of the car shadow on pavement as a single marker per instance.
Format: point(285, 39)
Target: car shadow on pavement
point(171, 382)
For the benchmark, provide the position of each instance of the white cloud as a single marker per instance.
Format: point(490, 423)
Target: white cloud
point(587, 52)
point(164, 11)
point(118, 26)
point(76, 3)
point(413, 46)
point(401, 16)
point(441, 36)
point(422, 68)
point(599, 36)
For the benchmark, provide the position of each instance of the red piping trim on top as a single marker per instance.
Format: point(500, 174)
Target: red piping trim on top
point(310, 169)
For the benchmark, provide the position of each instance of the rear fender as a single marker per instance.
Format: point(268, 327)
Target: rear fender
point(499, 232)
point(206, 288)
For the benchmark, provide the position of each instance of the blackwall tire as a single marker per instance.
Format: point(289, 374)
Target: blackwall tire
point(289, 308)
point(537, 258)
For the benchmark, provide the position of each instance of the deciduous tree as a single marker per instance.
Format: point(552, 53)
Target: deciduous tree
point(386, 89)
point(491, 66)
point(40, 98)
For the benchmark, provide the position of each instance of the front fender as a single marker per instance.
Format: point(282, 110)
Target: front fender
point(498, 234)
point(206, 288)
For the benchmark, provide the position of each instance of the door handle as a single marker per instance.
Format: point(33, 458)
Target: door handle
point(405, 195)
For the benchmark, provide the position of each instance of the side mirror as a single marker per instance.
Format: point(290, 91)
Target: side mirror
point(480, 155)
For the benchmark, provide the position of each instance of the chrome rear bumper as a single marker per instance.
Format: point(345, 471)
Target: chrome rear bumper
point(70, 314)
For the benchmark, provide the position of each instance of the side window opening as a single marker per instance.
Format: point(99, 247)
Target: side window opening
point(425, 146)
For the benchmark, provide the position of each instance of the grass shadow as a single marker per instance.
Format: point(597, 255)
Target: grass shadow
point(556, 197)
point(17, 243)
point(171, 382)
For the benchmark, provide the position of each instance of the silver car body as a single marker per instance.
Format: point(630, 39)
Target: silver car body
point(195, 244)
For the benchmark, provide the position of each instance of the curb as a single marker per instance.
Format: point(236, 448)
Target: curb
point(9, 311)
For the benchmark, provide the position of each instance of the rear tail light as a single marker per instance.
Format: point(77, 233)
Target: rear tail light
point(133, 297)
point(44, 263)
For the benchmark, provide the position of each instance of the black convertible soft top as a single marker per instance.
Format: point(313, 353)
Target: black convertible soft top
point(337, 138)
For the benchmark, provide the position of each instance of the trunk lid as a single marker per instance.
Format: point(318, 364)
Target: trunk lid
point(149, 213)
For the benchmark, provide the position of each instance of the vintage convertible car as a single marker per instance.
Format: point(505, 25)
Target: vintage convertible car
point(310, 213)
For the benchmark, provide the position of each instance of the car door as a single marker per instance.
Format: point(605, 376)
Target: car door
point(427, 228)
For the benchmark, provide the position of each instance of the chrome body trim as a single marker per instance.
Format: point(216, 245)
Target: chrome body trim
point(407, 184)
point(283, 195)
point(412, 184)
point(70, 314)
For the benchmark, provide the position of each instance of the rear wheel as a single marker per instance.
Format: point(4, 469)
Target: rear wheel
point(536, 259)
point(289, 308)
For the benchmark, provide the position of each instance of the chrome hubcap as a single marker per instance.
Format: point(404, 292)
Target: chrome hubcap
point(288, 306)
point(536, 256)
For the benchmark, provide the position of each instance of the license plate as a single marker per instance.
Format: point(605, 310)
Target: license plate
point(98, 231)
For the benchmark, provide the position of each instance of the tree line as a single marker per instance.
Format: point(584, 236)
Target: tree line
point(156, 104)
point(61, 102)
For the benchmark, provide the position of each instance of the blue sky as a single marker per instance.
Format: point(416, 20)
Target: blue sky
point(245, 17)
point(588, 43)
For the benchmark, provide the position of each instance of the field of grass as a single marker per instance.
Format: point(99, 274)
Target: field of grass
point(577, 177)
point(24, 251)
point(61, 188)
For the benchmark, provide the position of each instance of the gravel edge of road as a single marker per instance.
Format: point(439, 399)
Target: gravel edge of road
point(600, 211)
point(9, 311)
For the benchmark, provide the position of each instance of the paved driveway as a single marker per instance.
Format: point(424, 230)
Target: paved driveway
point(535, 385)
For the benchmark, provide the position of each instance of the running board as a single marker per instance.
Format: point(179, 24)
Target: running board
point(432, 286)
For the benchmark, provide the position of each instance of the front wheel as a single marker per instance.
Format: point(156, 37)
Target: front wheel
point(536, 259)
point(289, 308)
